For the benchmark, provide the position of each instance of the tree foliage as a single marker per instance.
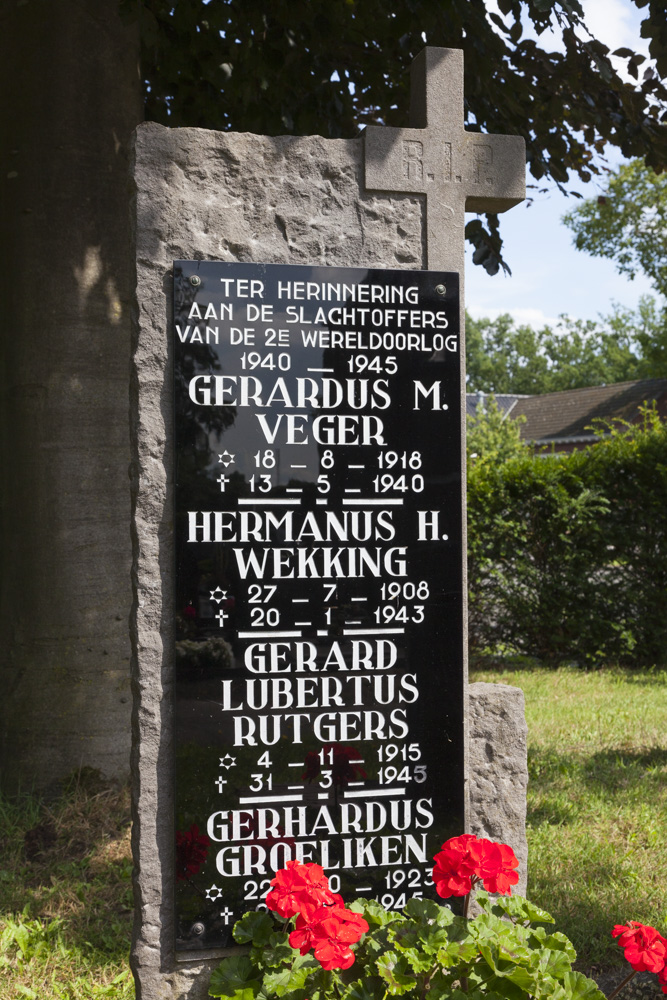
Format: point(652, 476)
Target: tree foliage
point(492, 435)
point(628, 224)
point(567, 552)
point(502, 357)
point(329, 66)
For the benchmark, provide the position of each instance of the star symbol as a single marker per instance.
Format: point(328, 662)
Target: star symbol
point(218, 595)
point(227, 761)
point(214, 893)
point(225, 459)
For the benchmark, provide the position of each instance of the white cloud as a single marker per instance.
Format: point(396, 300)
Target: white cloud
point(616, 23)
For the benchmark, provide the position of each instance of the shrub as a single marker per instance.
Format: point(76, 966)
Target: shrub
point(366, 953)
point(567, 555)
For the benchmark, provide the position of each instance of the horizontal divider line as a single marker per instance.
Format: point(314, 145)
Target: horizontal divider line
point(373, 793)
point(269, 500)
point(373, 631)
point(260, 634)
point(247, 800)
point(375, 503)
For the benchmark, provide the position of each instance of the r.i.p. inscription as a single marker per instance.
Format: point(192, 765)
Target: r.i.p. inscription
point(319, 688)
point(458, 171)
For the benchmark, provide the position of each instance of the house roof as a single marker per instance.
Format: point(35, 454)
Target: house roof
point(504, 401)
point(568, 415)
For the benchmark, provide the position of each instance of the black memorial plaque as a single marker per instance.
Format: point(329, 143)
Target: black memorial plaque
point(319, 634)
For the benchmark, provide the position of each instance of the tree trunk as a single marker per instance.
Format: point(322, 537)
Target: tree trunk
point(71, 97)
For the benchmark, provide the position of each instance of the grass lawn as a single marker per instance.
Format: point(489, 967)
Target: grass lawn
point(597, 835)
point(66, 895)
point(597, 800)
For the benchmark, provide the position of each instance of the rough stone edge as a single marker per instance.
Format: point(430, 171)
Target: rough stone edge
point(498, 768)
point(158, 976)
point(151, 632)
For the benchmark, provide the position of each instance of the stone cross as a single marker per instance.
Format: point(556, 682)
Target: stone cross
point(458, 171)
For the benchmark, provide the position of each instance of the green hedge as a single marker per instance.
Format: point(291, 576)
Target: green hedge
point(568, 553)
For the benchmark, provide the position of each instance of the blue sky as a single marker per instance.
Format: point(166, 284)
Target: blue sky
point(549, 276)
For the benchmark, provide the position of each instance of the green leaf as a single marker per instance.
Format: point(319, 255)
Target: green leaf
point(288, 980)
point(580, 987)
point(255, 928)
point(499, 987)
point(428, 927)
point(428, 909)
point(275, 952)
point(418, 961)
point(427, 930)
point(524, 978)
point(516, 907)
point(235, 977)
point(504, 948)
point(441, 986)
point(368, 988)
point(396, 972)
point(456, 952)
point(506, 988)
point(374, 912)
point(552, 964)
point(477, 994)
point(491, 927)
point(22, 938)
point(554, 942)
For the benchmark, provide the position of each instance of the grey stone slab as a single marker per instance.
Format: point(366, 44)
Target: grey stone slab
point(233, 197)
point(498, 768)
point(215, 196)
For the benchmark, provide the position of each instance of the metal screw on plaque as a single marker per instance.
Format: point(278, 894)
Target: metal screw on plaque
point(195, 280)
point(198, 928)
point(440, 289)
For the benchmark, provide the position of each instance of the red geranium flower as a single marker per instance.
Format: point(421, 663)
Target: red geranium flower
point(296, 884)
point(449, 878)
point(310, 914)
point(466, 860)
point(662, 979)
point(644, 948)
point(324, 925)
point(494, 864)
point(461, 845)
point(453, 868)
point(191, 851)
point(334, 935)
point(302, 936)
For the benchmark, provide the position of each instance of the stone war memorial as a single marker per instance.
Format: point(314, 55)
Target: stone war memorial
point(299, 619)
